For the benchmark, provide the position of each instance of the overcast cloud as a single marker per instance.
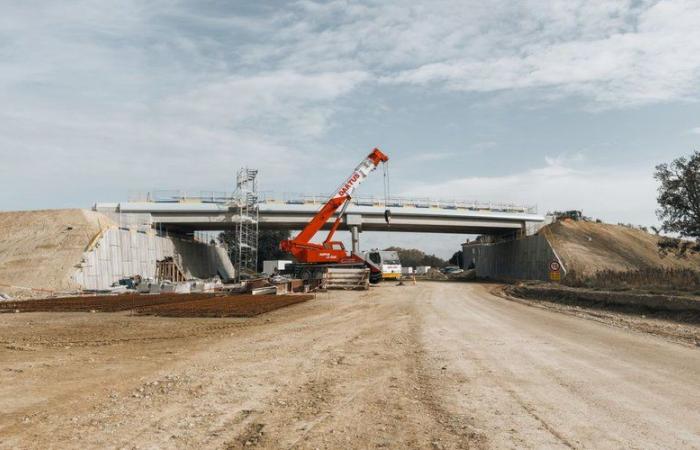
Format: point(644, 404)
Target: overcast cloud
point(564, 104)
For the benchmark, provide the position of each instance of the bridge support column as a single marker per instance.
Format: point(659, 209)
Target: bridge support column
point(354, 222)
point(355, 231)
point(523, 231)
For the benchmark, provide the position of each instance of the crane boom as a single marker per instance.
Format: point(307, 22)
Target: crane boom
point(329, 251)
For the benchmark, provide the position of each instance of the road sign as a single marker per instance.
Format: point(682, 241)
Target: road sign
point(554, 271)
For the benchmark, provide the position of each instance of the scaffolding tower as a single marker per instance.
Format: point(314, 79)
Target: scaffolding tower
point(245, 204)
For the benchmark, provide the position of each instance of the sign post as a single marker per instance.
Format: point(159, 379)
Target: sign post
point(554, 271)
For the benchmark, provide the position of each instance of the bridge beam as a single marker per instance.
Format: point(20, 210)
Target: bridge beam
point(190, 217)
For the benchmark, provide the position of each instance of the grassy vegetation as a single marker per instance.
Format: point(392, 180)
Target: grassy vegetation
point(655, 281)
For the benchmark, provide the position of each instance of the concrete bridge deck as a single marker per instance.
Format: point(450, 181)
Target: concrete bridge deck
point(416, 216)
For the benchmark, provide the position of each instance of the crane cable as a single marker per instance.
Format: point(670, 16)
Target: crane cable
point(387, 196)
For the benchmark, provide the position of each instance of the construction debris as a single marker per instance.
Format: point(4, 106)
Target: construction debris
point(175, 288)
point(206, 285)
point(267, 290)
point(169, 270)
point(356, 279)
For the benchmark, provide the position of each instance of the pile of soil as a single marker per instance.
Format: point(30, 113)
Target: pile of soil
point(172, 305)
point(587, 247)
point(41, 249)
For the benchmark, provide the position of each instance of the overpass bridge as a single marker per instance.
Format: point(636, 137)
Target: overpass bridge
point(182, 213)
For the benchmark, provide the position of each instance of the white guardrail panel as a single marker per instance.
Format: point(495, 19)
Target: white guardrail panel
point(292, 198)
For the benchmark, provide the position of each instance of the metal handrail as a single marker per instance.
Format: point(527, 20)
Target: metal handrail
point(292, 198)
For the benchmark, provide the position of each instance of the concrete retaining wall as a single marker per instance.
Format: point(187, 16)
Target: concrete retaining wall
point(122, 253)
point(523, 259)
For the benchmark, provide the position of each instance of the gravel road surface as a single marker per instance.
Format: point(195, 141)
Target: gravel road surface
point(437, 365)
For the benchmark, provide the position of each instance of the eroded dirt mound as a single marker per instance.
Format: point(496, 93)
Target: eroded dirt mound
point(40, 249)
point(587, 247)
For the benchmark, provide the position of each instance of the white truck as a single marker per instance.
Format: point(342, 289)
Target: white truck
point(388, 261)
point(422, 270)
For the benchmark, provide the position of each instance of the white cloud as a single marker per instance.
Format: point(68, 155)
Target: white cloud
point(694, 130)
point(430, 156)
point(120, 95)
point(285, 101)
point(612, 194)
point(613, 53)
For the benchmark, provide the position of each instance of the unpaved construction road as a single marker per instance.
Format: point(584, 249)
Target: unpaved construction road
point(438, 365)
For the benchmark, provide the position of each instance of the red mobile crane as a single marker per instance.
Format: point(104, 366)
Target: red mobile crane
point(313, 257)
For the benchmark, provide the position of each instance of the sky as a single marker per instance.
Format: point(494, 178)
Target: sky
point(561, 104)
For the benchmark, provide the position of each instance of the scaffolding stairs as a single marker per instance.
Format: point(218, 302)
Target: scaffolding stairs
point(245, 205)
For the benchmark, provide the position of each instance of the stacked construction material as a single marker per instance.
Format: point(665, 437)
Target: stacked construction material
point(356, 279)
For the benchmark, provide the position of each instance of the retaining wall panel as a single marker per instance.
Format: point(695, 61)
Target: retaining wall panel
point(122, 253)
point(523, 259)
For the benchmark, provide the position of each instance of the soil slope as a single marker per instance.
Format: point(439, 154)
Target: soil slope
point(40, 249)
point(587, 247)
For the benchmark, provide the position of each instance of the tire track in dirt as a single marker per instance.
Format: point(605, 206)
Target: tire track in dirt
point(368, 388)
point(539, 379)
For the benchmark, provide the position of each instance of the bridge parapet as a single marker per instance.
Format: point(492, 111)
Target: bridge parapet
point(290, 198)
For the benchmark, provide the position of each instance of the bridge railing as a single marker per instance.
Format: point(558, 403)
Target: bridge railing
point(401, 202)
point(293, 198)
point(178, 196)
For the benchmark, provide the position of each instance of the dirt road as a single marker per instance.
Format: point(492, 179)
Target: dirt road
point(437, 365)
